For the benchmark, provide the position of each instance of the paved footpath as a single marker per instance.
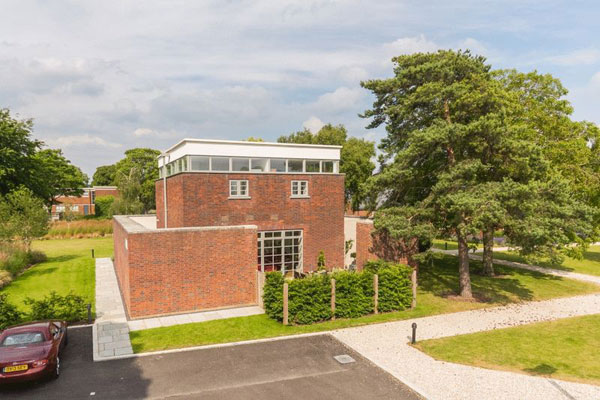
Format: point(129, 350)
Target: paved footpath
point(387, 346)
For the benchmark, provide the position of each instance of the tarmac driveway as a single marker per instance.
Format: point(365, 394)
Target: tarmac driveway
point(301, 368)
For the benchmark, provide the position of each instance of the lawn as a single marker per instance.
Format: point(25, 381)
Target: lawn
point(590, 264)
point(437, 285)
point(69, 267)
point(563, 349)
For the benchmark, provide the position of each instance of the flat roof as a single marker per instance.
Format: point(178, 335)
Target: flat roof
point(246, 149)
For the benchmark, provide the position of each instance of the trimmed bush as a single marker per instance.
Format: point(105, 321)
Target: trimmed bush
point(9, 314)
point(353, 294)
point(71, 308)
point(273, 295)
point(309, 299)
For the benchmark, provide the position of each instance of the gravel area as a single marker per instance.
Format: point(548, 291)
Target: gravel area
point(386, 345)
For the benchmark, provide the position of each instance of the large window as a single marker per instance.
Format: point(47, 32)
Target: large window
point(299, 188)
point(280, 251)
point(238, 188)
point(219, 163)
point(200, 163)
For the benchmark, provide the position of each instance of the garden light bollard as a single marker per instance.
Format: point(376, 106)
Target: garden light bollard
point(93, 253)
point(446, 245)
point(89, 309)
point(376, 294)
point(414, 333)
point(332, 299)
point(285, 303)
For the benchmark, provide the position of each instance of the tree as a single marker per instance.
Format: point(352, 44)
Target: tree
point(56, 176)
point(130, 186)
point(355, 158)
point(254, 139)
point(143, 162)
point(17, 151)
point(105, 175)
point(22, 217)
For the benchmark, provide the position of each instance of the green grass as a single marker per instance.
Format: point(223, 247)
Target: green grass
point(437, 285)
point(69, 268)
point(590, 264)
point(564, 349)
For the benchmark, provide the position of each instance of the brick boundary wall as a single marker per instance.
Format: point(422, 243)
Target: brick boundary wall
point(170, 271)
point(369, 248)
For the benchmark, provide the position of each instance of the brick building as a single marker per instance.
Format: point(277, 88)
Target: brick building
point(225, 211)
point(84, 204)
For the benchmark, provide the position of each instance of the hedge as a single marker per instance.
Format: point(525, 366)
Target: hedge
point(103, 206)
point(309, 298)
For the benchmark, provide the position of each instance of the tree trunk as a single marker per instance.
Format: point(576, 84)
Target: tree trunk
point(464, 278)
point(488, 252)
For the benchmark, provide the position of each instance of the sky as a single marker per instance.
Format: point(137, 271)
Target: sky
point(100, 77)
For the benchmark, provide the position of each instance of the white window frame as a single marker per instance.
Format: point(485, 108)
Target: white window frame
point(297, 187)
point(238, 194)
point(297, 250)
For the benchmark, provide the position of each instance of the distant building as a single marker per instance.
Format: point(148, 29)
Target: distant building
point(84, 204)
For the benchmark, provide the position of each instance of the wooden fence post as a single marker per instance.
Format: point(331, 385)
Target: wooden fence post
point(376, 293)
point(333, 299)
point(285, 303)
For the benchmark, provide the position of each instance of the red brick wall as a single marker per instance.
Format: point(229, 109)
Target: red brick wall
point(370, 248)
point(174, 271)
point(201, 199)
point(121, 255)
point(106, 192)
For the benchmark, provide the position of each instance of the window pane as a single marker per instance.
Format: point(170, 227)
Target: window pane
point(312, 166)
point(199, 163)
point(258, 165)
point(277, 165)
point(240, 164)
point(294, 165)
point(220, 163)
point(327, 166)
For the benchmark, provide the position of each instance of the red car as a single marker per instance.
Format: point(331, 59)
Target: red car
point(32, 350)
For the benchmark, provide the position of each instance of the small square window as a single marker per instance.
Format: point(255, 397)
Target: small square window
point(327, 166)
point(238, 188)
point(299, 188)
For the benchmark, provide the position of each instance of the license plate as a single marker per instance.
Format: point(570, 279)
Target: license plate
point(15, 368)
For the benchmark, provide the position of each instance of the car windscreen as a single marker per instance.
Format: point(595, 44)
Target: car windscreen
point(23, 338)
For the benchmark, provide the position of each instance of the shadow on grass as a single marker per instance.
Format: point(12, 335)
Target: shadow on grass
point(63, 258)
point(442, 280)
point(541, 369)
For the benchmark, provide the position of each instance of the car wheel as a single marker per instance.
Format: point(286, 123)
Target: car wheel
point(56, 372)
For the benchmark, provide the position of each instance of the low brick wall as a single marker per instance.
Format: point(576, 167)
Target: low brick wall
point(370, 248)
point(167, 271)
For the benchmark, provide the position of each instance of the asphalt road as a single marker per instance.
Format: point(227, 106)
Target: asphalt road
point(302, 368)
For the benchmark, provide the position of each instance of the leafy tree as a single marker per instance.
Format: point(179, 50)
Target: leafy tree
point(103, 206)
point(105, 175)
point(131, 193)
point(22, 217)
point(17, 151)
point(455, 142)
point(254, 139)
point(141, 164)
point(56, 176)
point(355, 158)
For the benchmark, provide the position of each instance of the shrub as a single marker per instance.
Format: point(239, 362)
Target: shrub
point(103, 206)
point(5, 278)
point(273, 295)
point(395, 288)
point(9, 314)
point(14, 259)
point(310, 298)
point(70, 308)
point(353, 294)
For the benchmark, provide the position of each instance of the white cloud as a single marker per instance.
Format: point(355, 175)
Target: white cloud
point(313, 124)
point(474, 45)
point(596, 79)
point(81, 140)
point(341, 99)
point(578, 57)
point(410, 45)
point(143, 132)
